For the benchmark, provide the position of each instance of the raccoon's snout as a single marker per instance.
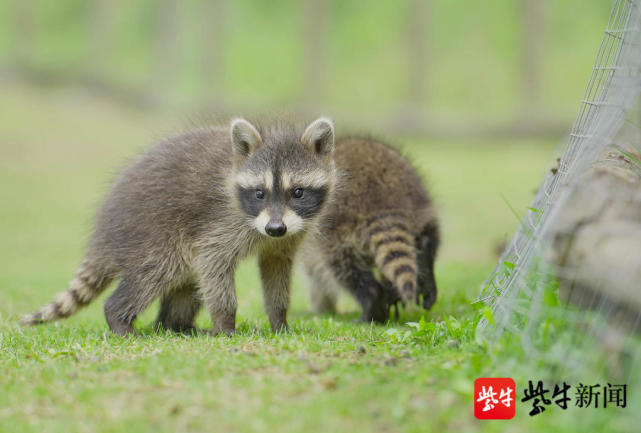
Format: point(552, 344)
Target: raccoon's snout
point(276, 229)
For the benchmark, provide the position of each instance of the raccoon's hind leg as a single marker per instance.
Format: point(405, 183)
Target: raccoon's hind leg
point(322, 286)
point(322, 297)
point(131, 297)
point(178, 309)
point(356, 275)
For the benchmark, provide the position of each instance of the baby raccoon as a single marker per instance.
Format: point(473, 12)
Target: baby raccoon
point(185, 212)
point(381, 217)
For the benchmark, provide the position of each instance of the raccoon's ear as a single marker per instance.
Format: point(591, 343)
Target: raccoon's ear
point(245, 139)
point(319, 135)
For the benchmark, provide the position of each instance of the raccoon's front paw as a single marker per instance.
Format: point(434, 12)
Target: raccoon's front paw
point(224, 324)
point(377, 318)
point(377, 312)
point(283, 327)
point(278, 320)
point(427, 299)
point(222, 331)
point(279, 326)
point(177, 328)
point(390, 298)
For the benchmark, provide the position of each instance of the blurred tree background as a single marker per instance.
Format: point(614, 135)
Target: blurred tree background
point(416, 67)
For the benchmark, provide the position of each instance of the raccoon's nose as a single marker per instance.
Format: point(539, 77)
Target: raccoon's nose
point(276, 228)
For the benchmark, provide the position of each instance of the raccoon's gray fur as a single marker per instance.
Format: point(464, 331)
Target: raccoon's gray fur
point(381, 217)
point(185, 212)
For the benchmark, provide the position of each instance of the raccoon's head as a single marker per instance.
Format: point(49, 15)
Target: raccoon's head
point(282, 178)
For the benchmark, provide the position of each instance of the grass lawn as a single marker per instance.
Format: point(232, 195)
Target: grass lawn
point(58, 152)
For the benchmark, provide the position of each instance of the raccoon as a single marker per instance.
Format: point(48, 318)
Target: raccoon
point(381, 217)
point(182, 215)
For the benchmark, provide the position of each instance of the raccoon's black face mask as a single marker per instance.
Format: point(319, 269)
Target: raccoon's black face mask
point(282, 180)
point(278, 209)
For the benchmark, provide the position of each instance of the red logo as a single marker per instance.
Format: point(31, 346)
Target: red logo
point(494, 398)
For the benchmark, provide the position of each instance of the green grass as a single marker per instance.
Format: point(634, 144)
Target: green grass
point(59, 152)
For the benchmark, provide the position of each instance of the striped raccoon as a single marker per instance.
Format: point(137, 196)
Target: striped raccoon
point(179, 219)
point(381, 218)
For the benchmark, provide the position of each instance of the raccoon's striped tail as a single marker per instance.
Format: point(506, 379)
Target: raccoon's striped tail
point(393, 246)
point(89, 282)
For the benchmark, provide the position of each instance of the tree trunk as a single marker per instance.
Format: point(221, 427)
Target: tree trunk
point(597, 239)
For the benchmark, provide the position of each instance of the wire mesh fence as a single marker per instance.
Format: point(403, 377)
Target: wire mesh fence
point(574, 304)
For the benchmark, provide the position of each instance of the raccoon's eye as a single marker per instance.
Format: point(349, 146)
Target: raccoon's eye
point(298, 193)
point(260, 194)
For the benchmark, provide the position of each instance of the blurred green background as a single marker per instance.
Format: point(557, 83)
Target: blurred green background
point(424, 67)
